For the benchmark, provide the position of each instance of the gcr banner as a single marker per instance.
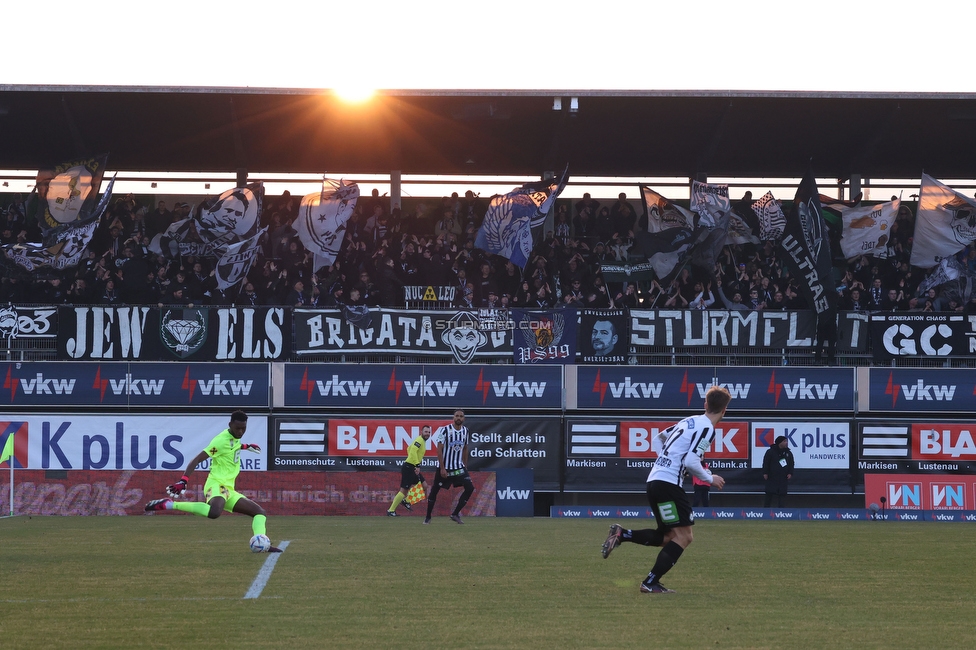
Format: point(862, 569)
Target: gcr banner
point(279, 493)
point(125, 442)
point(677, 388)
point(922, 389)
point(376, 443)
point(922, 335)
point(921, 491)
point(447, 387)
point(204, 385)
point(173, 333)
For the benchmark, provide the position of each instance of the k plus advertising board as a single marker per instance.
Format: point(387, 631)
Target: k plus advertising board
point(124, 442)
point(815, 445)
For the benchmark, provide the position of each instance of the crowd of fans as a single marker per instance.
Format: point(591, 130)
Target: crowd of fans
point(385, 250)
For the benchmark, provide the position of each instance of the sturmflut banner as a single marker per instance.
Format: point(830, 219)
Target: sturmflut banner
point(696, 328)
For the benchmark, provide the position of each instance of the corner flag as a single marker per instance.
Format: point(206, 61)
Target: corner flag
point(8, 449)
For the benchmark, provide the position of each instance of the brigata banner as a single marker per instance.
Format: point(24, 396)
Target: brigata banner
point(683, 388)
point(124, 442)
point(356, 443)
point(465, 336)
point(447, 387)
point(173, 333)
point(922, 389)
point(203, 385)
point(922, 335)
point(617, 454)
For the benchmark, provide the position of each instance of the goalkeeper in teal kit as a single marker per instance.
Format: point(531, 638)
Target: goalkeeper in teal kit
point(218, 492)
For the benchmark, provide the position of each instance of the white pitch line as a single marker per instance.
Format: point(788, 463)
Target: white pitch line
point(264, 574)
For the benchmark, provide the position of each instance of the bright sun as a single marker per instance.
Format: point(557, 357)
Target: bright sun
point(354, 94)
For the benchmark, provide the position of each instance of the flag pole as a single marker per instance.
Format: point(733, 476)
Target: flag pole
point(11, 459)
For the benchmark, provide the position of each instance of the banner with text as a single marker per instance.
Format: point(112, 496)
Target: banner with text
point(922, 389)
point(682, 328)
point(464, 336)
point(922, 335)
point(203, 385)
point(617, 454)
point(671, 388)
point(350, 444)
point(173, 333)
point(124, 442)
point(447, 387)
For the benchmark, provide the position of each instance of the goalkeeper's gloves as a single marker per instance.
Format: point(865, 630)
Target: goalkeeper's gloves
point(176, 489)
point(249, 447)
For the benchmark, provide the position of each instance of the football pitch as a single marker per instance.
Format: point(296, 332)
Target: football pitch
point(177, 581)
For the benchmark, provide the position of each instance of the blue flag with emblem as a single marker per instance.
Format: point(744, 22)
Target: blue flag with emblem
point(508, 224)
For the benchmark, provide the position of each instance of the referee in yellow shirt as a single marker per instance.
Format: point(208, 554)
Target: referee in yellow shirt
point(410, 472)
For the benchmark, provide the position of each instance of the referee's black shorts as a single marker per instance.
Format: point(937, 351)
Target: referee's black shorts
point(409, 476)
point(670, 505)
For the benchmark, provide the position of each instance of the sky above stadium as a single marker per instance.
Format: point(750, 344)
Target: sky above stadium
point(838, 46)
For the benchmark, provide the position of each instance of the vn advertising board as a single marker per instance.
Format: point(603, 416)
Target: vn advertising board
point(354, 443)
point(617, 455)
point(203, 385)
point(684, 388)
point(123, 442)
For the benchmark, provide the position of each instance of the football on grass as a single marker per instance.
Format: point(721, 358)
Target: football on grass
point(260, 543)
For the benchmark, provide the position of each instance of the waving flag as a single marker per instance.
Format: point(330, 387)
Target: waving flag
point(714, 209)
point(236, 261)
point(671, 234)
point(807, 248)
point(508, 224)
point(944, 225)
point(62, 247)
point(68, 193)
point(772, 221)
point(867, 229)
point(322, 217)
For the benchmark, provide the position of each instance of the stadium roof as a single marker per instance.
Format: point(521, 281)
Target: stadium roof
point(612, 133)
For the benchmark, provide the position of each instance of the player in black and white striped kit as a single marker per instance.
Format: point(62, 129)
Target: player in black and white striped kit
point(451, 441)
point(682, 448)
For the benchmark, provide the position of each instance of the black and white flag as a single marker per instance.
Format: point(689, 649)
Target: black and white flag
point(322, 218)
point(236, 261)
point(68, 193)
point(807, 248)
point(772, 221)
point(944, 225)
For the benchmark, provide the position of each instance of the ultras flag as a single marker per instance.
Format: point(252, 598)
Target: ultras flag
point(508, 224)
point(807, 248)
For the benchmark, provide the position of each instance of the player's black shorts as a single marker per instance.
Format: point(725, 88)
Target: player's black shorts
point(455, 478)
point(409, 476)
point(670, 505)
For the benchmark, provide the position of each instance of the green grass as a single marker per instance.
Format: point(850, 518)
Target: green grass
point(378, 582)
